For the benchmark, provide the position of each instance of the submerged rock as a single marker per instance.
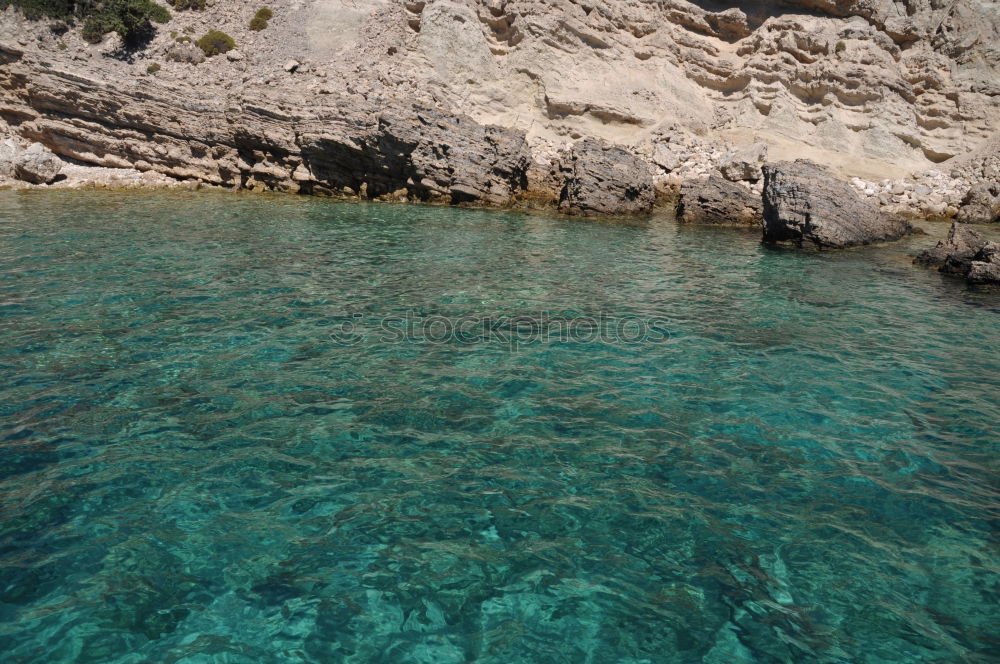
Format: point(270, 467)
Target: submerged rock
point(806, 205)
point(599, 178)
point(718, 201)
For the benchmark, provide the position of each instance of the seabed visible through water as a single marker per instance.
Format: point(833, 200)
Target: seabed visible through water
point(212, 451)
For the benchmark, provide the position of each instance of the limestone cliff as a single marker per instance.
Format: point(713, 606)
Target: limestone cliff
point(474, 100)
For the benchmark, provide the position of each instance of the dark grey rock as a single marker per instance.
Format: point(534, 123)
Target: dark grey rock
point(954, 254)
point(965, 254)
point(981, 205)
point(804, 204)
point(985, 265)
point(600, 179)
point(718, 201)
point(431, 155)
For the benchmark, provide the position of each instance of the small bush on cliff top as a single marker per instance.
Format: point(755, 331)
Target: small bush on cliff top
point(131, 19)
point(260, 19)
point(187, 4)
point(36, 9)
point(215, 42)
point(153, 68)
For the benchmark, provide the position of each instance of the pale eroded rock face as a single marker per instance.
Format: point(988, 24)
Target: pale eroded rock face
point(861, 85)
point(745, 165)
point(806, 206)
point(37, 165)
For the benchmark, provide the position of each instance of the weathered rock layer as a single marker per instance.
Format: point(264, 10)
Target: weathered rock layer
point(339, 147)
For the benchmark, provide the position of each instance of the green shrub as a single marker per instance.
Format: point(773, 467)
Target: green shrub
point(187, 4)
point(36, 9)
point(153, 68)
point(257, 23)
point(62, 46)
point(264, 13)
point(131, 19)
point(841, 47)
point(215, 42)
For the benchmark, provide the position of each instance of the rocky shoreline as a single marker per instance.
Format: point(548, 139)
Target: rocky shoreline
point(80, 115)
point(800, 204)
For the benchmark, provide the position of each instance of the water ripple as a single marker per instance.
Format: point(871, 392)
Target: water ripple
point(193, 470)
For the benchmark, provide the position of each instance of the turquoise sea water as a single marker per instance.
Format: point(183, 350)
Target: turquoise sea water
point(211, 451)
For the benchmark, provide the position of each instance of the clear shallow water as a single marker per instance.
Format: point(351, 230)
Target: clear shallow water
point(192, 470)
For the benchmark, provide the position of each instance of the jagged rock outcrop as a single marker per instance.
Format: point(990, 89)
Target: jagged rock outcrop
point(965, 253)
point(602, 179)
point(719, 202)
point(806, 206)
point(871, 87)
point(981, 205)
point(985, 266)
point(423, 154)
point(954, 254)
